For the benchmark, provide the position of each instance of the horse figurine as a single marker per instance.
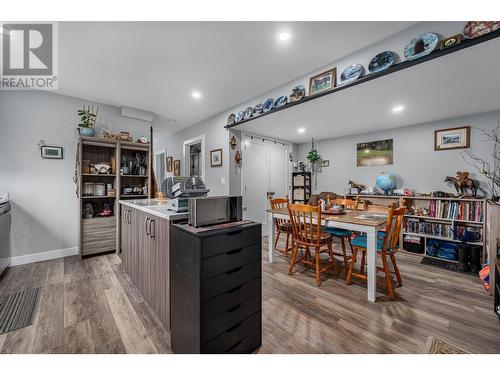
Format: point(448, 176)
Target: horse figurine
point(462, 182)
point(353, 185)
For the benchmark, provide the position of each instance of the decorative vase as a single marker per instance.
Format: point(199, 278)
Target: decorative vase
point(86, 132)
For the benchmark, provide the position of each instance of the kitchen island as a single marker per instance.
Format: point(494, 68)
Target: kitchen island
point(203, 283)
point(145, 226)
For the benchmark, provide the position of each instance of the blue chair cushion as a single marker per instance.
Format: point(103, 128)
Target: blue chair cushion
point(337, 232)
point(360, 241)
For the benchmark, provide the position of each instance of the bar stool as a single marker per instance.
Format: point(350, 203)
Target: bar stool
point(281, 225)
point(387, 245)
point(307, 235)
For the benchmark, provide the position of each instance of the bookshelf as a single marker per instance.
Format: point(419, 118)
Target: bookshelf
point(301, 187)
point(444, 219)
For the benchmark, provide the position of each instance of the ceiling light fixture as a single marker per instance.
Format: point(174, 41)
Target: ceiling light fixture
point(283, 36)
point(301, 130)
point(398, 108)
point(196, 94)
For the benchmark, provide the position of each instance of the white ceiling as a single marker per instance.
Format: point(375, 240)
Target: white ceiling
point(154, 66)
point(462, 83)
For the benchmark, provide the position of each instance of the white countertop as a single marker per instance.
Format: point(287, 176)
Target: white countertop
point(156, 207)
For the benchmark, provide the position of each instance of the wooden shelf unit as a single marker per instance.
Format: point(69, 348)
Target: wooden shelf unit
point(101, 234)
point(423, 202)
point(301, 187)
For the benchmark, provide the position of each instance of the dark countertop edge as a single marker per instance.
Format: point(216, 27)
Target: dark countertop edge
point(216, 231)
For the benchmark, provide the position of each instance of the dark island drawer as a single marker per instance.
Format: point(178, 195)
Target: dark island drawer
point(230, 279)
point(233, 337)
point(220, 304)
point(247, 345)
point(222, 243)
point(230, 318)
point(216, 265)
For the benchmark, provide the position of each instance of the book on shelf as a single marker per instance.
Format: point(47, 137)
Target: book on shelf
point(445, 231)
point(467, 211)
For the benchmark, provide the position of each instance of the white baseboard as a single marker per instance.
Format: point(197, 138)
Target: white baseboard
point(46, 255)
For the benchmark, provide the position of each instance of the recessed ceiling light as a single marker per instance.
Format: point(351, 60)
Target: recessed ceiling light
point(301, 130)
point(284, 35)
point(398, 108)
point(196, 94)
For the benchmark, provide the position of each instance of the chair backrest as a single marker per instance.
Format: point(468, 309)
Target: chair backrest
point(349, 204)
point(314, 198)
point(303, 230)
point(377, 208)
point(395, 219)
point(279, 203)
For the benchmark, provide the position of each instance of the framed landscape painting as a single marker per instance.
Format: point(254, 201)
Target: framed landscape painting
point(374, 153)
point(450, 139)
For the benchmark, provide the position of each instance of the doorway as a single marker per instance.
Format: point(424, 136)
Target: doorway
point(265, 169)
point(194, 157)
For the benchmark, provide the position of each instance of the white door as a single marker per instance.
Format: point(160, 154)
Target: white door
point(265, 169)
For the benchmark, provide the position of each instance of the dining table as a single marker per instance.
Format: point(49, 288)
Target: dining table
point(366, 222)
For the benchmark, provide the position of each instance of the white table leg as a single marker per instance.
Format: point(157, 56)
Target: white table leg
point(270, 223)
point(371, 243)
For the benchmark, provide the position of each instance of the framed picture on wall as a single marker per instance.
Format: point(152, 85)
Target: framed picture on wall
point(169, 164)
point(451, 139)
point(216, 158)
point(51, 152)
point(177, 167)
point(323, 82)
point(374, 153)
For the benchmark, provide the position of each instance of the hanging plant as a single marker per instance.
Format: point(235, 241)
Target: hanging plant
point(313, 155)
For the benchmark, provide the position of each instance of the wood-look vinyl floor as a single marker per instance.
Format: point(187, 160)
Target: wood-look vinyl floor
point(91, 306)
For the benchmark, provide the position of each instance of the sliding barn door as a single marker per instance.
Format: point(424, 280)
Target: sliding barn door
point(265, 169)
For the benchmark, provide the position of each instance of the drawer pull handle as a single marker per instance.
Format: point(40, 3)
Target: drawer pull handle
point(234, 233)
point(234, 308)
point(235, 345)
point(234, 327)
point(234, 289)
point(234, 252)
point(234, 271)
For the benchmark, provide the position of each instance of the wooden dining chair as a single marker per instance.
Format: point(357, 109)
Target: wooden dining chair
point(387, 246)
point(307, 236)
point(342, 234)
point(281, 225)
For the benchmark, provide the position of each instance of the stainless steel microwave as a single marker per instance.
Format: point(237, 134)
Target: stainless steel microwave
point(214, 210)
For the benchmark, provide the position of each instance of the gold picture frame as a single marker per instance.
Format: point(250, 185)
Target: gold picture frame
point(169, 163)
point(323, 82)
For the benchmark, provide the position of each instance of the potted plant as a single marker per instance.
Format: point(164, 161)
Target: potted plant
point(88, 116)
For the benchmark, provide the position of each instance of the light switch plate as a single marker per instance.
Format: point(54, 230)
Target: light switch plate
point(223, 180)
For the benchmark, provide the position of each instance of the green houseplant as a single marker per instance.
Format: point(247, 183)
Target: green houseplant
point(88, 115)
point(313, 157)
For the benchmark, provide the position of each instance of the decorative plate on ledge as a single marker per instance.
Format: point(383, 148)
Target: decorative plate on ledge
point(268, 104)
point(280, 102)
point(474, 29)
point(248, 113)
point(421, 46)
point(240, 116)
point(351, 73)
point(382, 62)
point(231, 119)
point(258, 109)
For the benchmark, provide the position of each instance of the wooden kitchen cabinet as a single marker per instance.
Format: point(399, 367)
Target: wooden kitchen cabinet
point(146, 258)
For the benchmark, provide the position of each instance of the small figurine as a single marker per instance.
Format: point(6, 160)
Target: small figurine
point(353, 185)
point(463, 182)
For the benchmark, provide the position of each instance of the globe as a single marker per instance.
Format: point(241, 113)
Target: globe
point(386, 182)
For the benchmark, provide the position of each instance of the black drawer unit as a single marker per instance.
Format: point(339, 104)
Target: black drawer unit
point(216, 289)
